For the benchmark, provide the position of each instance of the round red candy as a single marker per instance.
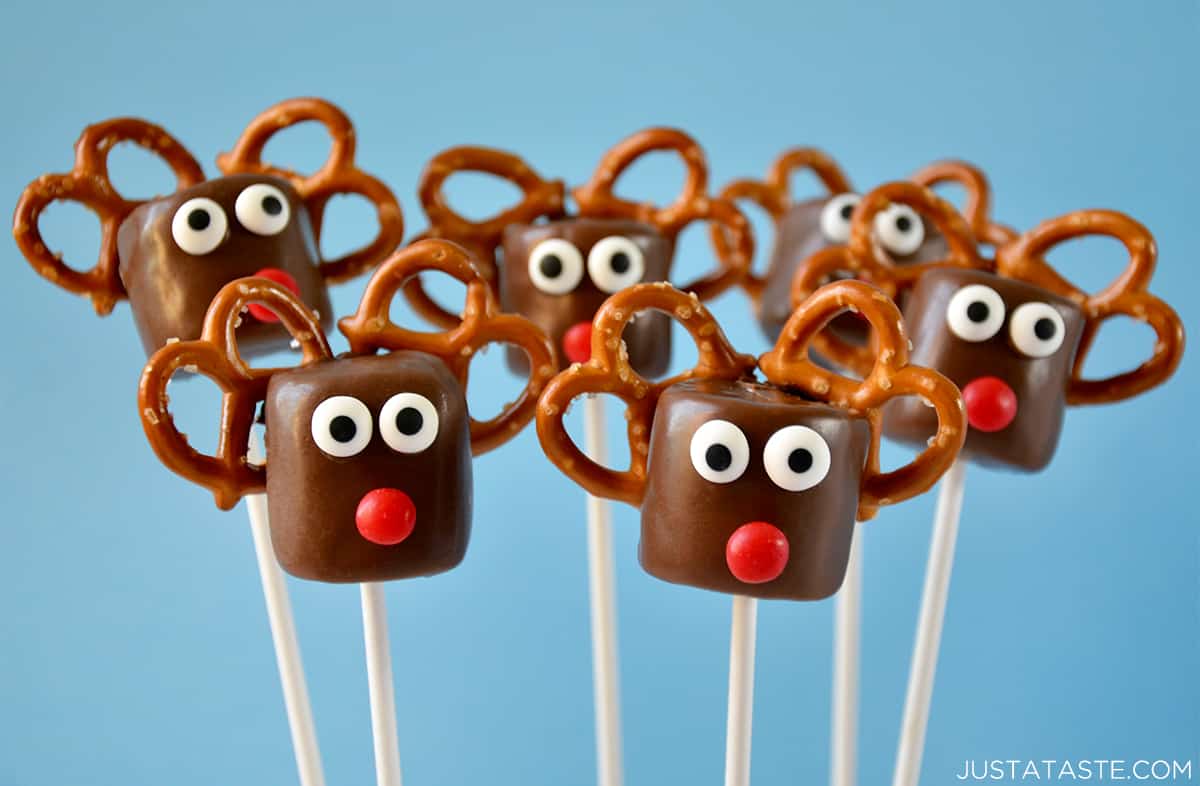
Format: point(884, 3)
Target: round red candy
point(262, 313)
point(991, 404)
point(577, 342)
point(756, 552)
point(385, 516)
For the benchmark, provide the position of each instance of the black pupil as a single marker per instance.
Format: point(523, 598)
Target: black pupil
point(271, 205)
point(718, 457)
point(551, 266)
point(903, 223)
point(409, 421)
point(620, 262)
point(847, 211)
point(342, 428)
point(1044, 328)
point(199, 219)
point(978, 311)
point(800, 460)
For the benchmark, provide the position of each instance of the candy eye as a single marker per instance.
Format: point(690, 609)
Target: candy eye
point(199, 226)
point(616, 263)
point(796, 458)
point(263, 209)
point(1037, 329)
point(835, 217)
point(975, 313)
point(408, 422)
point(720, 451)
point(341, 426)
point(555, 266)
point(900, 230)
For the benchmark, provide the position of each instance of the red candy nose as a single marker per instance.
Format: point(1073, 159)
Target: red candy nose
point(991, 403)
point(262, 313)
point(385, 516)
point(756, 552)
point(577, 342)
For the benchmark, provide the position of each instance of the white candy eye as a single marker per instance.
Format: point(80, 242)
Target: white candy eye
point(555, 266)
point(616, 263)
point(835, 217)
point(720, 452)
point(263, 209)
point(975, 313)
point(408, 422)
point(341, 426)
point(796, 458)
point(1037, 329)
point(199, 226)
point(900, 230)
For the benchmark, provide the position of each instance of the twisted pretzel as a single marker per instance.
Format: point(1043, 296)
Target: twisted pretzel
point(865, 258)
point(88, 183)
point(338, 175)
point(773, 195)
point(1024, 259)
point(979, 197)
point(371, 329)
point(227, 473)
point(788, 365)
point(609, 371)
point(597, 199)
point(539, 198)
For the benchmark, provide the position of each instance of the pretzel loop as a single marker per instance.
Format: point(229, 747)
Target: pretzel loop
point(227, 473)
point(978, 200)
point(370, 329)
point(338, 175)
point(789, 365)
point(609, 371)
point(1024, 259)
point(88, 184)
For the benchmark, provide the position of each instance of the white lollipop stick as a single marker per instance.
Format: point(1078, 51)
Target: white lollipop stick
point(846, 646)
point(929, 628)
point(606, 687)
point(741, 691)
point(379, 684)
point(283, 634)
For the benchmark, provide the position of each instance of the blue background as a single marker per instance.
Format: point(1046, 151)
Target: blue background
point(135, 648)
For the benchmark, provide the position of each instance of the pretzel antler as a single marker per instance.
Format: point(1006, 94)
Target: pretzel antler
point(865, 258)
point(773, 195)
point(609, 371)
point(371, 329)
point(597, 198)
point(88, 183)
point(979, 197)
point(227, 473)
point(1024, 259)
point(789, 365)
point(338, 175)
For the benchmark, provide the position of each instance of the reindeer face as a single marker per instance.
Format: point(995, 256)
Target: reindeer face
point(370, 468)
point(751, 490)
point(816, 224)
point(178, 251)
point(1009, 346)
point(557, 274)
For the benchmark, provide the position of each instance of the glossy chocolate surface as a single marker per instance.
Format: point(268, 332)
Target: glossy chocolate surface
point(648, 339)
point(169, 289)
point(313, 496)
point(798, 237)
point(1029, 441)
point(687, 520)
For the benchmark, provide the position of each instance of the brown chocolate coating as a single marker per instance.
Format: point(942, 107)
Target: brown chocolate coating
point(1029, 441)
point(648, 339)
point(169, 289)
point(799, 236)
point(313, 496)
point(687, 520)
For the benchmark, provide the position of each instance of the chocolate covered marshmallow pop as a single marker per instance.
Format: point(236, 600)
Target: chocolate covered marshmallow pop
point(556, 268)
point(752, 488)
point(1014, 334)
point(368, 456)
